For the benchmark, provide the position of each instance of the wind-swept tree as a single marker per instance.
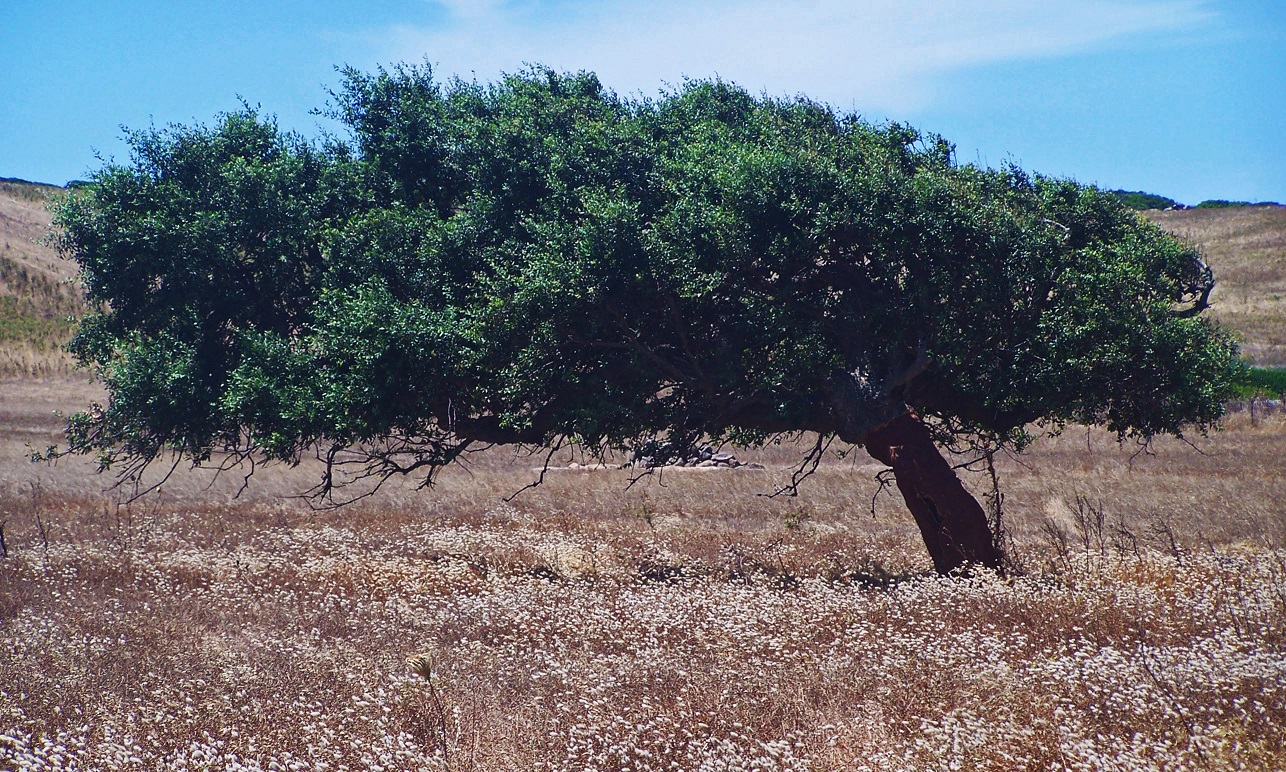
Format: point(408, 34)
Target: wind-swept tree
point(539, 261)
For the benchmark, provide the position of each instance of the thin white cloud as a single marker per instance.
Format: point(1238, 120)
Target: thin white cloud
point(470, 9)
point(874, 54)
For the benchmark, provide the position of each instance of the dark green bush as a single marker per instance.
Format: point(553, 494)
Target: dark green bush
point(1219, 203)
point(1262, 382)
point(1137, 199)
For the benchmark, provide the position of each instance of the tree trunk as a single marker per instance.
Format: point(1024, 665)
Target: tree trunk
point(951, 520)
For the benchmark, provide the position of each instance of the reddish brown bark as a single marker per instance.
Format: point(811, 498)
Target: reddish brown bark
point(951, 520)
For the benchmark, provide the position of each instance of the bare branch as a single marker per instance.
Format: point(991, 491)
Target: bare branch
point(540, 480)
point(885, 478)
point(1200, 289)
point(805, 469)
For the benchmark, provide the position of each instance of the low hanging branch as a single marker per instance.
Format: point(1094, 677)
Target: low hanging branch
point(807, 467)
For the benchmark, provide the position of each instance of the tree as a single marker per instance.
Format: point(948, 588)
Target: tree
point(540, 261)
point(1137, 199)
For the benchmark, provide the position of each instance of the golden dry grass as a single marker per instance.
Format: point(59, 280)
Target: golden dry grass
point(37, 298)
point(1246, 247)
point(683, 623)
point(24, 224)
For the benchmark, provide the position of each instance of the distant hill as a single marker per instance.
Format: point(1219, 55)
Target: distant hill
point(1137, 199)
point(1220, 203)
point(1246, 247)
point(37, 297)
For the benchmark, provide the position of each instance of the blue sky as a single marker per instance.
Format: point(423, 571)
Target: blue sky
point(1186, 98)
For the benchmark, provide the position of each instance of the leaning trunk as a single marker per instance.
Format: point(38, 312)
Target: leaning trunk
point(951, 520)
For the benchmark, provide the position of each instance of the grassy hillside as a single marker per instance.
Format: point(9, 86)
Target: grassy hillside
point(1246, 247)
point(37, 298)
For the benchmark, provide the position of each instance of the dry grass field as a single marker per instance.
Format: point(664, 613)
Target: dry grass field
point(1246, 247)
point(686, 622)
point(36, 296)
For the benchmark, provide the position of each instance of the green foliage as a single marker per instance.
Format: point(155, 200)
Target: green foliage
point(1261, 382)
point(539, 259)
point(1222, 204)
point(1137, 199)
point(1219, 203)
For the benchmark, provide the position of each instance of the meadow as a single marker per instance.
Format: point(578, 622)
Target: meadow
point(689, 621)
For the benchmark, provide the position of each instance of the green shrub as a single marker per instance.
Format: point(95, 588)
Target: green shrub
point(1137, 199)
point(1219, 203)
point(1262, 382)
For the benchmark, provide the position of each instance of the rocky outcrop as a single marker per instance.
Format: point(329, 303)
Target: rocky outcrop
point(653, 454)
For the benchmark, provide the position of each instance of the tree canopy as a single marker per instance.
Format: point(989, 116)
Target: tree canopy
point(539, 260)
